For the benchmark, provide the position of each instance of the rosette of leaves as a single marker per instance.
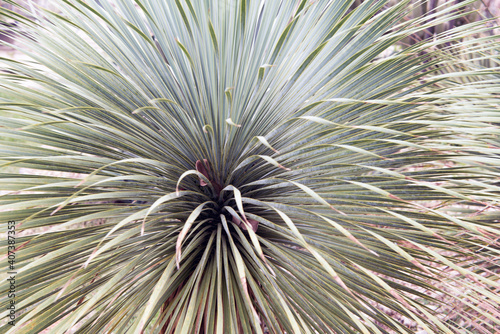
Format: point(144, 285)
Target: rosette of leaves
point(248, 167)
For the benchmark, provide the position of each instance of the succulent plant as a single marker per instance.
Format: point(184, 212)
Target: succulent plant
point(249, 167)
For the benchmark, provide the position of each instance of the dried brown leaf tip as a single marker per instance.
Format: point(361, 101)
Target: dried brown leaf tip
point(253, 223)
point(203, 167)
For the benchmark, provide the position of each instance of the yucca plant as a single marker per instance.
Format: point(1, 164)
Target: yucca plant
point(211, 166)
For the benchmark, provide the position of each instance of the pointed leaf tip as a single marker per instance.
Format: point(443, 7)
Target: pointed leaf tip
point(264, 142)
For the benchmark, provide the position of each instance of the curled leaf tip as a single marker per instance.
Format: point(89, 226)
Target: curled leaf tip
point(264, 142)
point(230, 122)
